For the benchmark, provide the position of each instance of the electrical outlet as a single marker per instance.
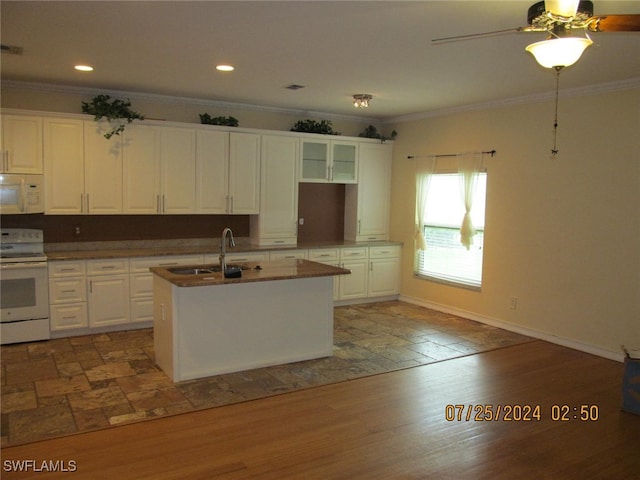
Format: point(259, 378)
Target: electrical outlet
point(301, 221)
point(76, 230)
point(513, 303)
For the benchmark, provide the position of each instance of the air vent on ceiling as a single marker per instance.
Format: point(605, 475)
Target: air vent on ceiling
point(11, 49)
point(294, 86)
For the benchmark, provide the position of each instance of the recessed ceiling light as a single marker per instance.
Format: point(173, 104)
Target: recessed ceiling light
point(224, 68)
point(84, 68)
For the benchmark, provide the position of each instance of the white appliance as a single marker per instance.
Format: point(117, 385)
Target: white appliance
point(24, 291)
point(21, 193)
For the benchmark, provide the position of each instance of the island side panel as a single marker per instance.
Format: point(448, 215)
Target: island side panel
point(164, 339)
point(228, 328)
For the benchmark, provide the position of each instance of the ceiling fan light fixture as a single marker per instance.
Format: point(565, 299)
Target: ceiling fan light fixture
point(558, 52)
point(562, 8)
point(361, 100)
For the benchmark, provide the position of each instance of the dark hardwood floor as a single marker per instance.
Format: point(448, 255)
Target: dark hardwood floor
point(389, 426)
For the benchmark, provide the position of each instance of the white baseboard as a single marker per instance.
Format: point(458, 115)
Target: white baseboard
point(494, 322)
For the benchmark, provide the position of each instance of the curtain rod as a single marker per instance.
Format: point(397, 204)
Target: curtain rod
point(489, 152)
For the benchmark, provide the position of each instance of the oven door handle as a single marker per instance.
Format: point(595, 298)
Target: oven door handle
point(22, 265)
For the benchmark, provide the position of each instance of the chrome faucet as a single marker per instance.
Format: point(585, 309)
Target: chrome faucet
point(226, 232)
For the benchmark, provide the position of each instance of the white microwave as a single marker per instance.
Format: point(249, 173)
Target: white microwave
point(21, 193)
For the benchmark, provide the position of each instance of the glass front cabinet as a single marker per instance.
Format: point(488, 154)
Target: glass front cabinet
point(328, 161)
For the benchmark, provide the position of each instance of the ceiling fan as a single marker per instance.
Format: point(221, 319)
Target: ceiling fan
point(559, 18)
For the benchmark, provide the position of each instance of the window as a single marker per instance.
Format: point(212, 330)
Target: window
point(445, 258)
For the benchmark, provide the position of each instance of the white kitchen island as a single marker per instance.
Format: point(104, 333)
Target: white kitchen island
point(278, 313)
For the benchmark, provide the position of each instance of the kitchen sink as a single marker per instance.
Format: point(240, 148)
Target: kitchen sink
point(203, 270)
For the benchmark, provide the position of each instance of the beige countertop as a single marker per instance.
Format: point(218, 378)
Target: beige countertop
point(100, 250)
point(287, 269)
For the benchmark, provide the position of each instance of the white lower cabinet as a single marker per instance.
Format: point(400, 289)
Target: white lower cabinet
point(141, 282)
point(384, 271)
point(288, 254)
point(354, 285)
point(108, 292)
point(329, 256)
point(67, 295)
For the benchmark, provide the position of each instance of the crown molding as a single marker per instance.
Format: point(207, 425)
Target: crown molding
point(627, 84)
point(122, 94)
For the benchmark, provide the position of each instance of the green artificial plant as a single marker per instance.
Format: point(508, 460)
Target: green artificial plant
point(101, 106)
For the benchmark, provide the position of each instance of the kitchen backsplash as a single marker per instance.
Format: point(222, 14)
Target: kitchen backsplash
point(321, 206)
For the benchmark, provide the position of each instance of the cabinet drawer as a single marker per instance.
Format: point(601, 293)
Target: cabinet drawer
point(66, 317)
point(67, 290)
point(141, 310)
point(284, 254)
point(145, 263)
point(70, 268)
point(351, 253)
point(141, 285)
point(238, 257)
point(323, 255)
point(107, 267)
point(391, 251)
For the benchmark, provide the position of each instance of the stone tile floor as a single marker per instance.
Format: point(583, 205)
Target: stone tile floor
point(64, 386)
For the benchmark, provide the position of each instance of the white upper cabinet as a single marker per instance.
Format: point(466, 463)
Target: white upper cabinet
point(64, 166)
point(83, 170)
point(277, 222)
point(178, 170)
point(102, 170)
point(367, 203)
point(141, 169)
point(244, 173)
point(212, 171)
point(228, 166)
point(328, 161)
point(21, 144)
point(159, 169)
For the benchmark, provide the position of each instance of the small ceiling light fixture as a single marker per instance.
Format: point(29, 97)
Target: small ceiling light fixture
point(361, 100)
point(558, 52)
point(84, 68)
point(224, 68)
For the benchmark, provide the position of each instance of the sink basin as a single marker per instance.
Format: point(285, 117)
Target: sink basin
point(204, 270)
point(193, 271)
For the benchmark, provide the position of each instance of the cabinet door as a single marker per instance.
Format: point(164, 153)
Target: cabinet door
point(384, 277)
point(64, 166)
point(103, 169)
point(344, 162)
point(355, 284)
point(178, 154)
point(21, 144)
point(244, 173)
point(314, 160)
point(141, 169)
point(212, 171)
point(108, 300)
point(367, 203)
point(279, 189)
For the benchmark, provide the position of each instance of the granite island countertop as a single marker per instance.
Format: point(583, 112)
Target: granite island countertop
point(286, 269)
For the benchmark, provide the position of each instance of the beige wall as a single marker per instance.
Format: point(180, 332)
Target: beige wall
point(562, 234)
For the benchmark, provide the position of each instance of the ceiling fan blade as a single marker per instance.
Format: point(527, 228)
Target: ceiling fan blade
point(562, 8)
point(614, 23)
point(458, 38)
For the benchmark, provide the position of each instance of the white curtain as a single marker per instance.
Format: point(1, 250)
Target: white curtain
point(469, 166)
point(424, 170)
